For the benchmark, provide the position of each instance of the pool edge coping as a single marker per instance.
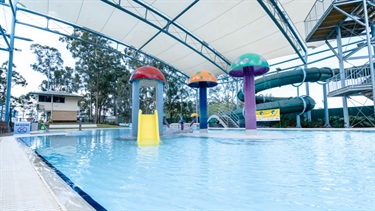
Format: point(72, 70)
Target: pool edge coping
point(65, 196)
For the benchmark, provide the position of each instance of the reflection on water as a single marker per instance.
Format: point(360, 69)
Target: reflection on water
point(310, 170)
point(147, 154)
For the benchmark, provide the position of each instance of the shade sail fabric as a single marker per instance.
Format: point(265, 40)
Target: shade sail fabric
point(231, 28)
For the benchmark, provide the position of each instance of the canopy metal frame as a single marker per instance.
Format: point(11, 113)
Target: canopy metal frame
point(280, 17)
point(180, 34)
point(170, 27)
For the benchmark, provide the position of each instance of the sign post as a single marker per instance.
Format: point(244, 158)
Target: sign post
point(21, 128)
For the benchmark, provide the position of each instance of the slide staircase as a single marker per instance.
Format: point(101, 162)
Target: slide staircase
point(227, 119)
point(357, 81)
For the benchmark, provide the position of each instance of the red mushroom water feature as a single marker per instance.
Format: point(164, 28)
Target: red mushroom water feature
point(147, 72)
point(144, 77)
point(248, 66)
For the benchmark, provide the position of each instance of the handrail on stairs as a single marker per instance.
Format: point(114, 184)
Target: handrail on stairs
point(228, 118)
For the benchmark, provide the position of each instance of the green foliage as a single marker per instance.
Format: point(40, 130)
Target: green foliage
point(336, 121)
point(123, 98)
point(362, 121)
point(25, 102)
point(100, 67)
point(105, 73)
point(286, 121)
point(214, 108)
point(319, 123)
point(226, 90)
point(17, 80)
point(50, 64)
point(108, 126)
point(179, 99)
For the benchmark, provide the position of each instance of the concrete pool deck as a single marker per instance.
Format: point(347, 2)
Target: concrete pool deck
point(27, 183)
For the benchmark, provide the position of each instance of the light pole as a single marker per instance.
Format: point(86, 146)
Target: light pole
point(80, 115)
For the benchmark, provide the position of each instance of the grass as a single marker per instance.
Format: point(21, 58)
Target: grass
point(108, 126)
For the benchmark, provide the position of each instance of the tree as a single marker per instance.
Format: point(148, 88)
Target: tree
point(50, 64)
point(177, 96)
point(17, 80)
point(25, 102)
point(224, 95)
point(123, 98)
point(179, 99)
point(99, 65)
point(105, 74)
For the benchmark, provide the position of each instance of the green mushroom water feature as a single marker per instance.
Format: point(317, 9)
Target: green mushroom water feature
point(248, 66)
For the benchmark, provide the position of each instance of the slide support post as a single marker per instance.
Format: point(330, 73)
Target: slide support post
point(250, 105)
point(135, 107)
point(203, 107)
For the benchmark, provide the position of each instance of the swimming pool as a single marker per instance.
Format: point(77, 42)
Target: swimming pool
point(308, 170)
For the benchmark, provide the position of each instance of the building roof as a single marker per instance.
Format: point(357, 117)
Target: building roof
point(55, 93)
point(188, 35)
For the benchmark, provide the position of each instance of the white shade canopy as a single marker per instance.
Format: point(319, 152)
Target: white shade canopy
point(230, 28)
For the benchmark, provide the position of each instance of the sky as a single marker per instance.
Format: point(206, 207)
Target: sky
point(23, 58)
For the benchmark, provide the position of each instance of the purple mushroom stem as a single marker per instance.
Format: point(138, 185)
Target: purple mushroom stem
point(249, 94)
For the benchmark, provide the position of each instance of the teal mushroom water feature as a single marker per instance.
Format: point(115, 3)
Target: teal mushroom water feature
point(248, 66)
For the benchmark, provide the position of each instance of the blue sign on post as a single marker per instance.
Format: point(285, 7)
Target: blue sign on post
point(21, 128)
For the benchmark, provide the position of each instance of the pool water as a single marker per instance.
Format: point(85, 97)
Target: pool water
point(308, 170)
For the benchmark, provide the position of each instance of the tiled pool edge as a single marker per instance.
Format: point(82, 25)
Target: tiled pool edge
point(21, 186)
point(67, 198)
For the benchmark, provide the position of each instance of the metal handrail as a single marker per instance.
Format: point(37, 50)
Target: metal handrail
point(235, 118)
point(315, 14)
point(319, 10)
point(353, 76)
point(231, 117)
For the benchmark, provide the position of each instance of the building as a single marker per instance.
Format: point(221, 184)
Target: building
point(57, 106)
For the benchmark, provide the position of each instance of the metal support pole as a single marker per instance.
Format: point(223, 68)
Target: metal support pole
point(10, 66)
point(325, 101)
point(298, 117)
point(203, 107)
point(307, 90)
point(342, 77)
point(135, 107)
point(2, 112)
point(237, 93)
point(373, 35)
point(159, 106)
point(197, 104)
point(369, 51)
point(80, 120)
point(250, 103)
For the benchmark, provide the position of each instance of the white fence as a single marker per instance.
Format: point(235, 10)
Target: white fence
point(352, 77)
